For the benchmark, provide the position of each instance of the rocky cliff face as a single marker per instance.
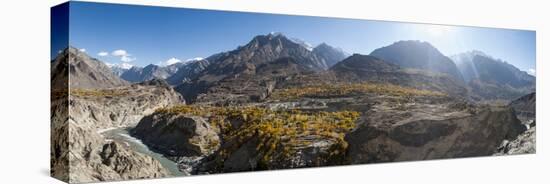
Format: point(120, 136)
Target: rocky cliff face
point(119, 107)
point(81, 154)
point(525, 107)
point(432, 133)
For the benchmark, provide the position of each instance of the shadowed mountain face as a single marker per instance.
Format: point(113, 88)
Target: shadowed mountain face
point(372, 69)
point(59, 76)
point(84, 71)
point(418, 55)
point(245, 60)
point(490, 78)
point(330, 54)
point(363, 64)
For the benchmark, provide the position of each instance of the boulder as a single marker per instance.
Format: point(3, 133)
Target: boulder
point(177, 135)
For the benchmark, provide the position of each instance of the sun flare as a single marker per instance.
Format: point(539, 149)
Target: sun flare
point(438, 30)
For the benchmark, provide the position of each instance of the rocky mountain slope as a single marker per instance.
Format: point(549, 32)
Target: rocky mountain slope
point(87, 72)
point(490, 78)
point(188, 71)
point(418, 55)
point(244, 60)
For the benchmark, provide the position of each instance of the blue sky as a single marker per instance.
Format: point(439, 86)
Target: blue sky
point(141, 35)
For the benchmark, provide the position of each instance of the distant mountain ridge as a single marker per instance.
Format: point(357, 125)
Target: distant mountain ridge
point(478, 65)
point(419, 55)
point(372, 69)
point(150, 72)
point(491, 78)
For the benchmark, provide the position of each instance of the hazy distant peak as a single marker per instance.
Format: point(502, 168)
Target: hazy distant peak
point(328, 46)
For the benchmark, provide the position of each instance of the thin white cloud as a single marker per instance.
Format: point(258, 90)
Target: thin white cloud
point(532, 72)
point(119, 53)
point(194, 59)
point(103, 53)
point(124, 56)
point(82, 50)
point(170, 61)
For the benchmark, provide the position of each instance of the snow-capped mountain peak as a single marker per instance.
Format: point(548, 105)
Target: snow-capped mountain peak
point(303, 43)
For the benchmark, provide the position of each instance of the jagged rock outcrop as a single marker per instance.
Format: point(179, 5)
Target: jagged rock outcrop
point(525, 143)
point(432, 133)
point(177, 135)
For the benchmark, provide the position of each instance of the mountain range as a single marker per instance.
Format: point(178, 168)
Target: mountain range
point(473, 75)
